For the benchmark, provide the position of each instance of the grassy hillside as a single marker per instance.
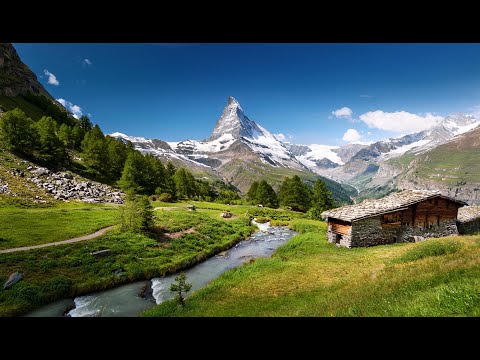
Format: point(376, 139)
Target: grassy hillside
point(309, 277)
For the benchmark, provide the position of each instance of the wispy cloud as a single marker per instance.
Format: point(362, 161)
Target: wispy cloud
point(366, 96)
point(52, 79)
point(400, 121)
point(74, 109)
point(351, 135)
point(344, 112)
point(87, 62)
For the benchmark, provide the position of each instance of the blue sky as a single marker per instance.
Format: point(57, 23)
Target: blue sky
point(311, 93)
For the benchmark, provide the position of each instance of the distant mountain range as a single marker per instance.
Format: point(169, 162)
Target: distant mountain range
point(240, 151)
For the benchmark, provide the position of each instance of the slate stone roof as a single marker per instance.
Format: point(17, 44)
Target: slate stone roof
point(468, 213)
point(390, 203)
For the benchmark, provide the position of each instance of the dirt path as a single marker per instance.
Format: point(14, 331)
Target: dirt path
point(168, 208)
point(177, 234)
point(77, 239)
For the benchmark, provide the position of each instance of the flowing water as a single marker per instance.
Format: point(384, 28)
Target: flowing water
point(124, 300)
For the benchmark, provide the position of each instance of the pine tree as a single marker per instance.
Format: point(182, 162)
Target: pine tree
point(94, 149)
point(170, 187)
point(295, 193)
point(265, 195)
point(181, 183)
point(85, 123)
point(65, 135)
point(179, 287)
point(117, 155)
point(17, 132)
point(136, 215)
point(77, 136)
point(51, 150)
point(321, 200)
point(132, 173)
point(252, 192)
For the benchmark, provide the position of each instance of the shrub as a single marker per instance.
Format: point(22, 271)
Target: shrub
point(262, 220)
point(165, 197)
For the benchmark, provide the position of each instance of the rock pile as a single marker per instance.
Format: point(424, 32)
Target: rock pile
point(4, 189)
point(64, 186)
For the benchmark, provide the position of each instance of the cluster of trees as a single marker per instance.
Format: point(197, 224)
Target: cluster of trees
point(54, 143)
point(293, 193)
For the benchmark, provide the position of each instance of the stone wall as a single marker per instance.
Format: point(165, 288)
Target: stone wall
point(371, 232)
point(469, 227)
point(345, 239)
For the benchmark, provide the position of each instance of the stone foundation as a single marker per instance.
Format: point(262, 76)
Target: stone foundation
point(468, 227)
point(371, 232)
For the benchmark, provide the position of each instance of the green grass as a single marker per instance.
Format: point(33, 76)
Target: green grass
point(310, 277)
point(69, 270)
point(429, 248)
point(25, 227)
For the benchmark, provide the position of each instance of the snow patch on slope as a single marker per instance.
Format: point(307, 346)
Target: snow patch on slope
point(318, 152)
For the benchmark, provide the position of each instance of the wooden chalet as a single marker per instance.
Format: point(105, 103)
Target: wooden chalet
point(398, 217)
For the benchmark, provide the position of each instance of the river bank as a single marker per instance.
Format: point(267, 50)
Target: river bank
point(126, 300)
point(70, 270)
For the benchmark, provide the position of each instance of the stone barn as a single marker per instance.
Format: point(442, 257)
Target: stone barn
point(395, 218)
point(468, 220)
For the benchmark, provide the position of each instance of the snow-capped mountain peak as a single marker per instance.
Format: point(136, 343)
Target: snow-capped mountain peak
point(233, 121)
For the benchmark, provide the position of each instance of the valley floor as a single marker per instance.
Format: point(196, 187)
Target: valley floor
point(70, 270)
point(310, 277)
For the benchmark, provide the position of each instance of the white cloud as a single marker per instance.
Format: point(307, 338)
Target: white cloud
point(74, 109)
point(344, 112)
point(52, 79)
point(280, 136)
point(351, 135)
point(366, 96)
point(87, 62)
point(399, 121)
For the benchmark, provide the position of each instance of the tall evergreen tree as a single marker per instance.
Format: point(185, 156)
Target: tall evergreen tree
point(322, 200)
point(77, 136)
point(117, 155)
point(65, 135)
point(295, 193)
point(17, 132)
point(181, 183)
point(85, 123)
point(51, 149)
point(94, 148)
point(252, 192)
point(266, 195)
point(132, 173)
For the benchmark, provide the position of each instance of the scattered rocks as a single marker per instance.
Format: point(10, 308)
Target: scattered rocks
point(226, 214)
point(100, 253)
point(4, 189)
point(64, 186)
point(12, 280)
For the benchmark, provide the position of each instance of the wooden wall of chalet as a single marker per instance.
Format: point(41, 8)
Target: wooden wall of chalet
point(339, 227)
point(430, 212)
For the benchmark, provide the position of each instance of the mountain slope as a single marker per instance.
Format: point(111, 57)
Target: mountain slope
point(452, 167)
point(239, 151)
point(15, 77)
